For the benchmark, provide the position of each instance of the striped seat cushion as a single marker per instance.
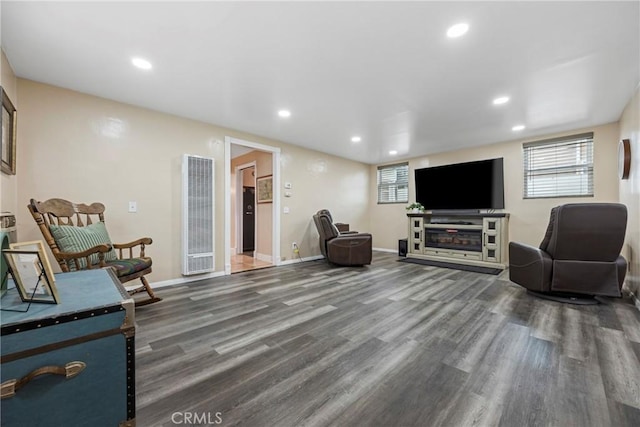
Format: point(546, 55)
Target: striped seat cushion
point(125, 267)
point(70, 238)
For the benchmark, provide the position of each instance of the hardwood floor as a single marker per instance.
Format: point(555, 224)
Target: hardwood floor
point(242, 262)
point(390, 344)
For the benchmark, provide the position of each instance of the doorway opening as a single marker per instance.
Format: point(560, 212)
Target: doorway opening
point(245, 257)
point(250, 239)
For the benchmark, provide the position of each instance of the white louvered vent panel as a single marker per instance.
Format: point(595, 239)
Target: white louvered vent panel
point(197, 215)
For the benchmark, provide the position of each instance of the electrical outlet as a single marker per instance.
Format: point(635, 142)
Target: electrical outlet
point(294, 245)
point(133, 207)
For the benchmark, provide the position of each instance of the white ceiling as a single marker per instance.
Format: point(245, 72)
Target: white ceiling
point(382, 70)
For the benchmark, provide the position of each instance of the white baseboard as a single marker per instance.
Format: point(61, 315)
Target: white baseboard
point(317, 257)
point(635, 297)
point(184, 280)
point(385, 250)
point(298, 260)
point(263, 257)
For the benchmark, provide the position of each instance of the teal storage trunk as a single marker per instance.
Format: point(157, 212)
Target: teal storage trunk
point(70, 364)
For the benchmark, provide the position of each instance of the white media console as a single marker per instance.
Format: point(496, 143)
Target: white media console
point(479, 239)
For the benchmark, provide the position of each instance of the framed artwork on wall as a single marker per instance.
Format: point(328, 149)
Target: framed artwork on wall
point(264, 189)
point(8, 122)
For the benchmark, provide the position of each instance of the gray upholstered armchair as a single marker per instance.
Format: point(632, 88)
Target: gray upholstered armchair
point(342, 249)
point(579, 254)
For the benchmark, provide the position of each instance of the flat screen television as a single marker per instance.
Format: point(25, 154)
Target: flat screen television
point(462, 186)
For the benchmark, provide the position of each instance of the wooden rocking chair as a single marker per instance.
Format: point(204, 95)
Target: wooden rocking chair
point(78, 239)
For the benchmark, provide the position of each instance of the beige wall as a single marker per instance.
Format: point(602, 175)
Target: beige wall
point(528, 218)
point(630, 191)
point(321, 181)
point(248, 177)
point(86, 149)
point(9, 183)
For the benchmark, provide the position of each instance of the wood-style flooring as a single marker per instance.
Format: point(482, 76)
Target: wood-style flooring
point(242, 262)
point(390, 344)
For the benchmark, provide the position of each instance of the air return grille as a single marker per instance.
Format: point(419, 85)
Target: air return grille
point(197, 215)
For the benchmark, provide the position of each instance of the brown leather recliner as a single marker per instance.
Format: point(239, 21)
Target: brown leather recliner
point(342, 228)
point(345, 249)
point(580, 253)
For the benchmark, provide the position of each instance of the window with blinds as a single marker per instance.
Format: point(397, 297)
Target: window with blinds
point(393, 183)
point(560, 167)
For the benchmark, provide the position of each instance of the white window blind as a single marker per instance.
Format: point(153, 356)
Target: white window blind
point(393, 183)
point(560, 167)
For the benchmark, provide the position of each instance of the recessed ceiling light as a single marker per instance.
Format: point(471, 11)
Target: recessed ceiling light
point(141, 63)
point(356, 139)
point(517, 128)
point(501, 100)
point(284, 113)
point(457, 30)
point(393, 152)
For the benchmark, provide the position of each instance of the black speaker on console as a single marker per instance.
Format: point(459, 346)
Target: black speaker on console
point(402, 247)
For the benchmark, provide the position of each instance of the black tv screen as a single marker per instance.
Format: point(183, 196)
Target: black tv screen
point(462, 186)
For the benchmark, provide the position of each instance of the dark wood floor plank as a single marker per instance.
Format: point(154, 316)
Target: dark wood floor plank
point(439, 318)
point(307, 389)
point(607, 316)
point(578, 334)
point(530, 402)
point(219, 331)
point(178, 378)
point(469, 410)
point(415, 398)
point(245, 339)
point(507, 301)
point(358, 384)
point(472, 346)
point(225, 389)
point(619, 366)
point(400, 327)
point(545, 322)
point(580, 398)
point(369, 325)
point(312, 344)
point(629, 318)
point(623, 415)
point(463, 320)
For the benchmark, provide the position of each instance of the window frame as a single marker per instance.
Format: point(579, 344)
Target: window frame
point(396, 184)
point(529, 149)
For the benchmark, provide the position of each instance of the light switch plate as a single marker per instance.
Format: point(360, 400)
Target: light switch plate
point(133, 207)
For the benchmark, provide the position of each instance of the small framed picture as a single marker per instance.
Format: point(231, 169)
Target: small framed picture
point(264, 189)
point(32, 273)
